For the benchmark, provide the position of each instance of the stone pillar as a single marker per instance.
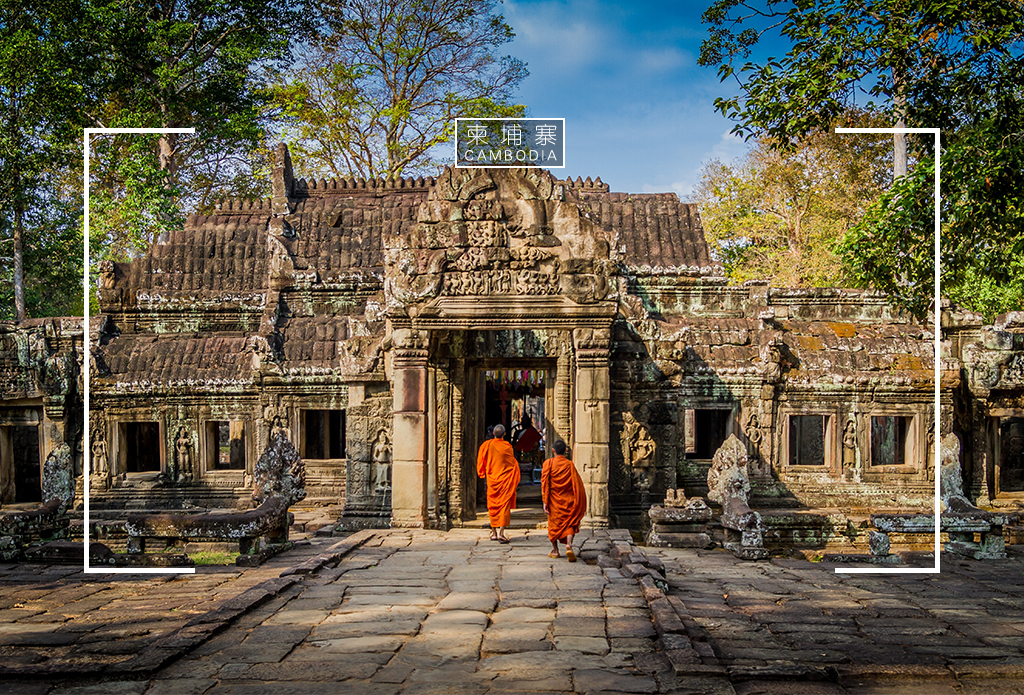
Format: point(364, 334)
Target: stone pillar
point(592, 420)
point(983, 441)
point(409, 457)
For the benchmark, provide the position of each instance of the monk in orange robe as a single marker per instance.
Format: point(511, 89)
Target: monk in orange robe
point(565, 500)
point(497, 463)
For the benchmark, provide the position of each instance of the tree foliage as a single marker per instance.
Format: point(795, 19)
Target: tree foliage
point(377, 94)
point(397, 73)
point(199, 63)
point(930, 63)
point(778, 213)
point(41, 99)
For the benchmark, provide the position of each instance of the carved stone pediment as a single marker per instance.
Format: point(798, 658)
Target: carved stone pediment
point(497, 233)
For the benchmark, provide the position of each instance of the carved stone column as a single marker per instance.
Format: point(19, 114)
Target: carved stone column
point(409, 458)
point(982, 475)
point(592, 420)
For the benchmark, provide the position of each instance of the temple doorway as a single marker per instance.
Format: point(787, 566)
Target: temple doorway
point(26, 464)
point(517, 396)
point(1010, 455)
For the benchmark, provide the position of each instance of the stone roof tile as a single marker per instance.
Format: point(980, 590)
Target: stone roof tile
point(165, 359)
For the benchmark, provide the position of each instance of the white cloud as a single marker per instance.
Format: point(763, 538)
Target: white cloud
point(556, 35)
point(728, 149)
point(661, 59)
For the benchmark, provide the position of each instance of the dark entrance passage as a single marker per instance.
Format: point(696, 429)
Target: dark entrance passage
point(515, 398)
point(1011, 454)
point(142, 447)
point(27, 474)
point(518, 399)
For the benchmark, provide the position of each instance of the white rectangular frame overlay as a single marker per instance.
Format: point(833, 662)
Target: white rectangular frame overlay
point(87, 448)
point(937, 335)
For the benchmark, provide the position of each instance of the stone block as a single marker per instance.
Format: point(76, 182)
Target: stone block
point(410, 391)
point(523, 615)
point(409, 438)
point(878, 543)
point(680, 540)
point(584, 645)
point(593, 419)
point(592, 384)
point(691, 514)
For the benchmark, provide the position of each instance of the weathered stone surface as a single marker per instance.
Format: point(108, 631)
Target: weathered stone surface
point(584, 645)
point(483, 602)
point(59, 477)
point(279, 471)
point(729, 485)
point(523, 615)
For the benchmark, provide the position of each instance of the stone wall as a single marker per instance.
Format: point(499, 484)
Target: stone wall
point(40, 400)
point(370, 308)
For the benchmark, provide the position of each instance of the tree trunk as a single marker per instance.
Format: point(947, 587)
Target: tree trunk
point(899, 140)
point(167, 154)
point(899, 155)
point(19, 260)
point(168, 161)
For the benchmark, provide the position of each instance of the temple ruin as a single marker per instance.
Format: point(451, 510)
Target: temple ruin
point(385, 324)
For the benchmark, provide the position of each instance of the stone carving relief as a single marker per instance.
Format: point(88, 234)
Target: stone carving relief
point(406, 282)
point(729, 486)
point(360, 351)
point(370, 449)
point(183, 455)
point(951, 483)
point(107, 277)
point(279, 471)
point(382, 462)
point(638, 449)
point(495, 233)
point(729, 477)
point(262, 353)
point(592, 338)
point(59, 477)
point(282, 265)
point(849, 448)
point(993, 365)
point(753, 432)
point(771, 360)
point(99, 469)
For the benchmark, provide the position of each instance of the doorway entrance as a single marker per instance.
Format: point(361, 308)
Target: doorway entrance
point(517, 395)
point(1010, 455)
point(27, 470)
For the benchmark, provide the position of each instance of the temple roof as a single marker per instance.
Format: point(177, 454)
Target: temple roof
point(337, 228)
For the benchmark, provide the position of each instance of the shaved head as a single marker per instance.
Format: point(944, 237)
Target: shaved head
point(499, 431)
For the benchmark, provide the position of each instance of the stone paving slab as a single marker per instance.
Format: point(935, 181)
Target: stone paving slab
point(420, 612)
point(860, 633)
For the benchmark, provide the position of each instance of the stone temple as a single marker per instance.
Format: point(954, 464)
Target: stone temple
point(386, 324)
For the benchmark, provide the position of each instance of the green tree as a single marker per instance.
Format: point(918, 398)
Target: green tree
point(925, 63)
point(196, 63)
point(377, 94)
point(41, 100)
point(778, 213)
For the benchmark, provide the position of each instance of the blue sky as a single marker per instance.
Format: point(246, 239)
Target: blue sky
point(639, 110)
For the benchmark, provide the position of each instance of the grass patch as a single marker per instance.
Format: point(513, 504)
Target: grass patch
point(210, 557)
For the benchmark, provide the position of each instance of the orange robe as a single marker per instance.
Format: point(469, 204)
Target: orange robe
point(564, 496)
point(497, 463)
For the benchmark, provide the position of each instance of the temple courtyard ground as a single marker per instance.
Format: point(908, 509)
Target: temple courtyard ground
point(430, 612)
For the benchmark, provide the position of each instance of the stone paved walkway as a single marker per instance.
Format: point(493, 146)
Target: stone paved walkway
point(958, 631)
point(59, 619)
point(425, 612)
